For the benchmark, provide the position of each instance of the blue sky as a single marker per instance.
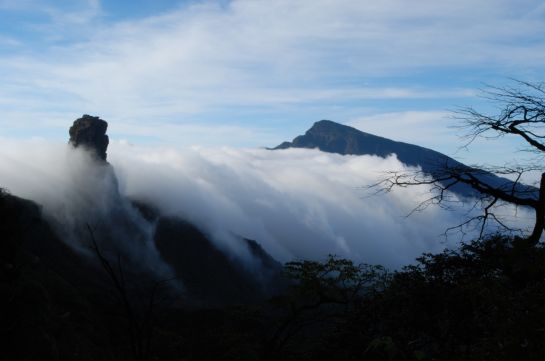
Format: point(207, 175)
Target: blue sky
point(253, 73)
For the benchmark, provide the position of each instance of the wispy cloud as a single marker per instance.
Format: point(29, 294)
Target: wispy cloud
point(439, 130)
point(207, 60)
point(52, 20)
point(411, 122)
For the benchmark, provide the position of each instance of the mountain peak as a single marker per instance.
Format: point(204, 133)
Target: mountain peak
point(326, 123)
point(330, 127)
point(90, 132)
point(332, 137)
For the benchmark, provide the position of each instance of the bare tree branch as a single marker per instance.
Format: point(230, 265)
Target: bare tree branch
point(522, 115)
point(140, 329)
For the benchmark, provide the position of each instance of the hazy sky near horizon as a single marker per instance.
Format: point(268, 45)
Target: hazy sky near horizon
point(251, 73)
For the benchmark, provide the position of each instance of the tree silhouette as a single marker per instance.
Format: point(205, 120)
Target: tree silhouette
point(322, 295)
point(521, 114)
point(140, 325)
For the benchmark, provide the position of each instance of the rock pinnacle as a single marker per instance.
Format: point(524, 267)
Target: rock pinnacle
point(90, 132)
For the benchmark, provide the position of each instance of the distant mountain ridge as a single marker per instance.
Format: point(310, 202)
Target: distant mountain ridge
point(332, 137)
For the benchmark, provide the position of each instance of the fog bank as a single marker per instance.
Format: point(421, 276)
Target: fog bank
point(297, 203)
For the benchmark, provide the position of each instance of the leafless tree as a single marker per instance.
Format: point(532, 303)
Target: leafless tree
point(521, 114)
point(140, 325)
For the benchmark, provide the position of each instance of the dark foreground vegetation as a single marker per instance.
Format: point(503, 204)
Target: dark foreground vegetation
point(484, 301)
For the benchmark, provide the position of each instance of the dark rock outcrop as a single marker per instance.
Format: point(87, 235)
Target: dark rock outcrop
point(119, 227)
point(59, 302)
point(90, 132)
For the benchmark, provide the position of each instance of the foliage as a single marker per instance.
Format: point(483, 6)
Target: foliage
point(335, 280)
point(484, 301)
point(320, 299)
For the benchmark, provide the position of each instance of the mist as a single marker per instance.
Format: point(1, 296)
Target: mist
point(80, 196)
point(297, 203)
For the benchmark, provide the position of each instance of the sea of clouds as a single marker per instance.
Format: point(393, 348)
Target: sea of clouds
point(297, 203)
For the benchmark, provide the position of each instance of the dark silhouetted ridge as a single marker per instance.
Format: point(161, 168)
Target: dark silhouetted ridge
point(332, 137)
point(90, 132)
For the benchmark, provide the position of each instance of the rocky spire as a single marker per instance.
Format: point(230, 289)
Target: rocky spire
point(90, 132)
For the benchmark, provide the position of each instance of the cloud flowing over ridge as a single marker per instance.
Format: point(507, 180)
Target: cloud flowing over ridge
point(296, 203)
point(77, 192)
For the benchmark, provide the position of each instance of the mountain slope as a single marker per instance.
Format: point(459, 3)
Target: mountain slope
point(333, 137)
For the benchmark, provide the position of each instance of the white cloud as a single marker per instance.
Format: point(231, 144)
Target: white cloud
point(263, 43)
point(430, 128)
point(407, 126)
point(209, 59)
point(296, 203)
point(184, 135)
point(59, 19)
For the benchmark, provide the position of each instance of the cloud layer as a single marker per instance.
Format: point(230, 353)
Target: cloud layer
point(297, 203)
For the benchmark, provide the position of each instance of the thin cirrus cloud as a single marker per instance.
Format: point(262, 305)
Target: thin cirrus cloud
point(278, 61)
point(442, 130)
